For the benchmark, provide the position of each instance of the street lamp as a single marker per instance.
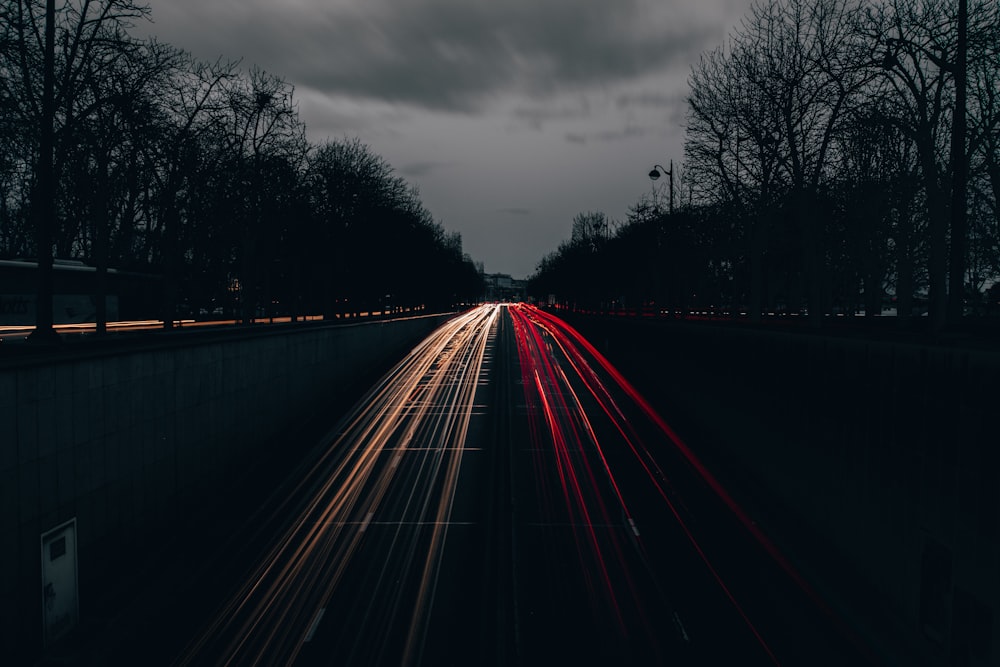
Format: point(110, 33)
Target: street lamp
point(655, 174)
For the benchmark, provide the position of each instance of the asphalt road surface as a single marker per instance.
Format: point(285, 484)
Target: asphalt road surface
point(504, 497)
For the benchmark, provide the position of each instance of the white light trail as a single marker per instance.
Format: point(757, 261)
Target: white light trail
point(421, 409)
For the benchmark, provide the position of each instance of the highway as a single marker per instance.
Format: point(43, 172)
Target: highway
point(504, 497)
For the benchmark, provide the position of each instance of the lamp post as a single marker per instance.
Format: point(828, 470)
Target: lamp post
point(655, 174)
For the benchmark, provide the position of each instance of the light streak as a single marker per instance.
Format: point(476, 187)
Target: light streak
point(389, 472)
point(539, 334)
point(548, 393)
point(421, 409)
point(569, 337)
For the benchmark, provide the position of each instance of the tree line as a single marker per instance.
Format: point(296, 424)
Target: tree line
point(130, 153)
point(840, 155)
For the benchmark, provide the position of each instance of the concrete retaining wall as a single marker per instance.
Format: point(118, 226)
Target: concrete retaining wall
point(875, 464)
point(126, 440)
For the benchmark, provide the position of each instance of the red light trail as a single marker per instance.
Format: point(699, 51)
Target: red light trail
point(547, 386)
point(365, 556)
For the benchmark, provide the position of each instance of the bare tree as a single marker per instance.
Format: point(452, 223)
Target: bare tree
point(808, 67)
point(763, 116)
point(924, 66)
point(590, 230)
point(193, 103)
point(877, 170)
point(350, 183)
point(263, 130)
point(51, 52)
point(984, 143)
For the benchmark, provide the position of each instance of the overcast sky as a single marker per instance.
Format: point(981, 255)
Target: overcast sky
point(510, 116)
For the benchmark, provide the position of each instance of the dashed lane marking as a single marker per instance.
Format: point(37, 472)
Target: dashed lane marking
point(315, 624)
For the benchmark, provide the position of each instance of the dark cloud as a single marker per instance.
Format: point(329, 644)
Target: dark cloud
point(535, 116)
point(647, 99)
point(330, 117)
point(422, 168)
point(443, 54)
point(674, 104)
point(603, 74)
point(627, 132)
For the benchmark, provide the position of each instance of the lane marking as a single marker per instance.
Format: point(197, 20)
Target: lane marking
point(367, 522)
point(423, 523)
point(364, 524)
point(315, 624)
point(635, 529)
point(579, 524)
point(432, 449)
point(680, 626)
point(395, 461)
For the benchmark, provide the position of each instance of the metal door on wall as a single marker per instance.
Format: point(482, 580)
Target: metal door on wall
point(60, 601)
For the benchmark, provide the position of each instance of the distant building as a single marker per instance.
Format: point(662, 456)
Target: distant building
point(501, 287)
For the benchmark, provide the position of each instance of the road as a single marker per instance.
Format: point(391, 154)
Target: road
point(505, 497)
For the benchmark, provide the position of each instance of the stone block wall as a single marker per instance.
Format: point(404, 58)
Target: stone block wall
point(129, 437)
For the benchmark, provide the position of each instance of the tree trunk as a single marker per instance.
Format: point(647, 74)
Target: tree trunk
point(100, 250)
point(756, 304)
point(960, 166)
point(171, 241)
point(43, 205)
point(811, 258)
point(937, 263)
point(904, 265)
